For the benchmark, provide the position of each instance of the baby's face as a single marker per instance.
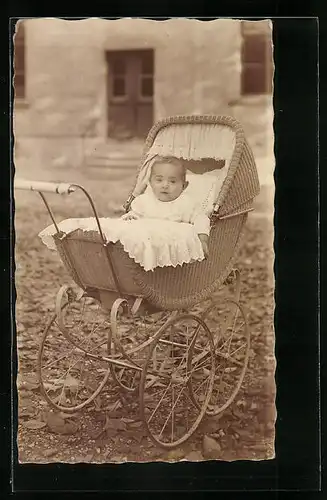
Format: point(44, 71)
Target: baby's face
point(167, 181)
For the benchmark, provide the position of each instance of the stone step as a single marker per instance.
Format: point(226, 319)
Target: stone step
point(105, 162)
point(111, 154)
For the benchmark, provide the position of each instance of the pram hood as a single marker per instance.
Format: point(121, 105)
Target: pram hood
point(195, 139)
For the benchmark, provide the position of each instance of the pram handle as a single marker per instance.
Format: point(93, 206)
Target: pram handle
point(58, 188)
point(65, 188)
point(45, 187)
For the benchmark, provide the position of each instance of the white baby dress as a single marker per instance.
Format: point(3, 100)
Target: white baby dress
point(165, 235)
point(182, 209)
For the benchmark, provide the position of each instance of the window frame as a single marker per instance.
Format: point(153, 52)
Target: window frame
point(266, 64)
point(117, 99)
point(20, 45)
point(122, 99)
point(141, 97)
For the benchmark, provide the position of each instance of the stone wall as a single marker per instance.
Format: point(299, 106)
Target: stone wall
point(197, 70)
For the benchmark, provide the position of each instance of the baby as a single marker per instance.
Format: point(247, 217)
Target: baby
point(168, 199)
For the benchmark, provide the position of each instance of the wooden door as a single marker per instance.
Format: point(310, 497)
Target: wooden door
point(130, 93)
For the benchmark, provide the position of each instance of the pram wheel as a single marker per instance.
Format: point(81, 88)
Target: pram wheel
point(169, 413)
point(131, 339)
point(72, 371)
point(227, 321)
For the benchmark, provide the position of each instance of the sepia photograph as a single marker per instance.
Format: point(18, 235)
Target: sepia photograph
point(144, 258)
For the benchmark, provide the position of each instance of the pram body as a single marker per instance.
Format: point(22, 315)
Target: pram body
point(183, 286)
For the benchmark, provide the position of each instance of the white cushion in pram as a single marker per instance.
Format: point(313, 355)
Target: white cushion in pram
point(206, 187)
point(149, 243)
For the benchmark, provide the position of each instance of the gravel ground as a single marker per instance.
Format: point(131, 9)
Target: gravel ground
point(246, 428)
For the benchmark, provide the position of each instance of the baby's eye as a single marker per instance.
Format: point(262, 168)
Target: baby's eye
point(173, 181)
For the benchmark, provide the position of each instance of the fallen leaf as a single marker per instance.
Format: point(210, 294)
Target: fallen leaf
point(32, 379)
point(117, 424)
point(34, 424)
point(59, 425)
point(70, 428)
point(71, 382)
point(114, 406)
point(111, 433)
point(50, 387)
point(218, 435)
point(106, 453)
point(194, 456)
point(54, 420)
point(118, 459)
point(176, 454)
point(136, 424)
point(136, 435)
point(29, 386)
point(259, 447)
point(89, 457)
point(238, 414)
point(67, 415)
point(32, 357)
point(29, 411)
point(50, 452)
point(245, 434)
point(211, 447)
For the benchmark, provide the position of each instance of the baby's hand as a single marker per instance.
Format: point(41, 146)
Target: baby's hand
point(204, 242)
point(130, 216)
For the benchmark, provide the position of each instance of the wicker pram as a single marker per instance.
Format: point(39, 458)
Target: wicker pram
point(105, 273)
point(183, 286)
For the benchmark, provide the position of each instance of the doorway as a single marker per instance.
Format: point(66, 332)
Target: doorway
point(130, 84)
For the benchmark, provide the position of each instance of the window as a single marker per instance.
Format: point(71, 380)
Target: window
point(146, 86)
point(256, 59)
point(19, 60)
point(119, 86)
point(118, 69)
point(146, 77)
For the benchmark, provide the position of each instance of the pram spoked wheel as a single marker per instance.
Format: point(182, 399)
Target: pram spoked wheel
point(71, 371)
point(131, 336)
point(227, 321)
point(172, 369)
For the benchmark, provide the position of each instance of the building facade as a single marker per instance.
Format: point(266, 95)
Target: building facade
point(89, 90)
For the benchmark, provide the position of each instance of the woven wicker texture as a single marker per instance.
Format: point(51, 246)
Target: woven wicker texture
point(185, 286)
point(89, 266)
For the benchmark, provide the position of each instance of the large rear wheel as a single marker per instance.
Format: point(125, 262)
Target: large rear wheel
point(71, 365)
point(172, 367)
point(228, 323)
